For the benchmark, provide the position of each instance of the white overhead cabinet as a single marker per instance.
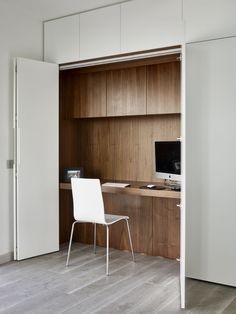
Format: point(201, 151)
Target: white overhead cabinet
point(100, 32)
point(150, 24)
point(128, 27)
point(209, 19)
point(210, 161)
point(61, 40)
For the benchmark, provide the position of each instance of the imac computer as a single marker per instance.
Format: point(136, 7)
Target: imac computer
point(168, 161)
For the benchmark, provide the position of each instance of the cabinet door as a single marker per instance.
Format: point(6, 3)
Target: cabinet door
point(90, 95)
point(209, 19)
point(150, 24)
point(210, 161)
point(163, 88)
point(36, 214)
point(61, 40)
point(126, 91)
point(100, 32)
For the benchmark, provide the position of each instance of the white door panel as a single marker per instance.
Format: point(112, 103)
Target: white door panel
point(36, 164)
point(210, 161)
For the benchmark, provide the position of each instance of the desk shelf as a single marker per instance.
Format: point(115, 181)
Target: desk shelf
point(134, 189)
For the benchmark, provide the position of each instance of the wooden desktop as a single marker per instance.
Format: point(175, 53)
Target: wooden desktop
point(110, 117)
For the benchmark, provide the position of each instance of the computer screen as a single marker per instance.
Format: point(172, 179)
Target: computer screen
point(168, 159)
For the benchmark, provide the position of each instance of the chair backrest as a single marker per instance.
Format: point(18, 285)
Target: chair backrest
point(87, 200)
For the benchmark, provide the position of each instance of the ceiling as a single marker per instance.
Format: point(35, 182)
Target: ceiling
point(50, 9)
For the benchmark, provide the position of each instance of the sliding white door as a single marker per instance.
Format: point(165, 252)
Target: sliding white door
point(36, 216)
point(211, 161)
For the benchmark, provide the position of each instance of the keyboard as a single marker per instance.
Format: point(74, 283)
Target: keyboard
point(116, 185)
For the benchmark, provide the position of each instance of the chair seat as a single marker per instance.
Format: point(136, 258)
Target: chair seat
point(110, 219)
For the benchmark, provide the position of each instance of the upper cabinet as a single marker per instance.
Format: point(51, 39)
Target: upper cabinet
point(150, 24)
point(61, 40)
point(137, 25)
point(163, 88)
point(209, 19)
point(126, 91)
point(100, 32)
point(89, 95)
point(128, 27)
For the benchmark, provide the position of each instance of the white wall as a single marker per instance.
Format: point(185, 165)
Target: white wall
point(20, 35)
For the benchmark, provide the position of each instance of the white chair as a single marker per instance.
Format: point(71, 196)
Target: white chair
point(88, 206)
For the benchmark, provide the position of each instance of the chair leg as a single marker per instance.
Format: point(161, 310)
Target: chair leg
point(94, 243)
point(107, 265)
point(130, 241)
point(71, 236)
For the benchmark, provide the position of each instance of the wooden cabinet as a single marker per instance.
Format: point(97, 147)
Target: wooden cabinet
point(154, 223)
point(144, 87)
point(121, 147)
point(166, 227)
point(209, 19)
point(126, 91)
point(163, 88)
point(150, 24)
point(100, 32)
point(61, 40)
point(89, 95)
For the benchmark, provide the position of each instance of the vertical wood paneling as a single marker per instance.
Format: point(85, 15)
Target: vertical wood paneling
point(163, 88)
point(126, 91)
point(123, 148)
point(139, 209)
point(166, 227)
point(65, 215)
point(89, 95)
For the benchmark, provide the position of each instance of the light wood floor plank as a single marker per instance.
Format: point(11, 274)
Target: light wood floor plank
point(43, 285)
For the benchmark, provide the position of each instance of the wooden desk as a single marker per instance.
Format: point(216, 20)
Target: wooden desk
point(154, 219)
point(134, 189)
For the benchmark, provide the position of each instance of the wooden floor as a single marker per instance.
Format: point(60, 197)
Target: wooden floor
point(150, 285)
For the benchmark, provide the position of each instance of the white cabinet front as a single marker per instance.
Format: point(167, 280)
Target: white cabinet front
point(100, 32)
point(209, 19)
point(150, 24)
point(61, 40)
point(210, 161)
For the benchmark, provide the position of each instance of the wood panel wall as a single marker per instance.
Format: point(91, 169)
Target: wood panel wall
point(126, 91)
point(123, 148)
point(154, 225)
point(163, 88)
point(90, 95)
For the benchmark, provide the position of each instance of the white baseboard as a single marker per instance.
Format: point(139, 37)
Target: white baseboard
point(6, 258)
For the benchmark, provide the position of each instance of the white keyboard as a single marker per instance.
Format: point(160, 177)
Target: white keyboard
point(116, 185)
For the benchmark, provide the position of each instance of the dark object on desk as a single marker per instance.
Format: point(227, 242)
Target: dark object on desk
point(175, 188)
point(153, 187)
point(75, 172)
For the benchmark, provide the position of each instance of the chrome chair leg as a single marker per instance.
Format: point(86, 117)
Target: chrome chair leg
point(94, 242)
point(107, 265)
point(130, 241)
point(71, 236)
